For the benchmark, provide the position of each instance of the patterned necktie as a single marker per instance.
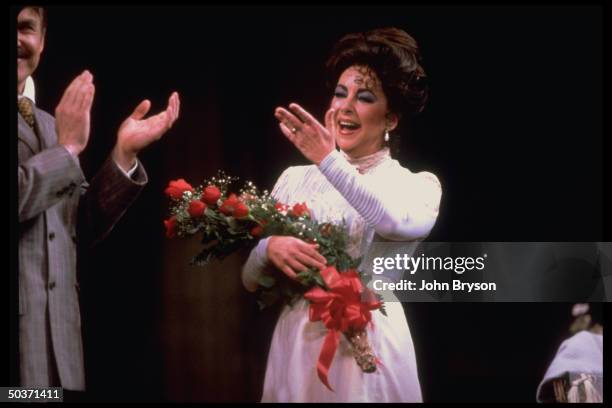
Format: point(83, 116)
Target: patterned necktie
point(26, 109)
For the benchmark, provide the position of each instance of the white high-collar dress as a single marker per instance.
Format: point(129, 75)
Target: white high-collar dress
point(379, 200)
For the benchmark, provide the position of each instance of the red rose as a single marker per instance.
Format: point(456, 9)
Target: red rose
point(229, 205)
point(233, 206)
point(176, 188)
point(280, 207)
point(241, 210)
point(196, 208)
point(170, 225)
point(211, 194)
point(256, 231)
point(300, 209)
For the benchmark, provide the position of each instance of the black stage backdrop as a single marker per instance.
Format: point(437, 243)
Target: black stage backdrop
point(513, 130)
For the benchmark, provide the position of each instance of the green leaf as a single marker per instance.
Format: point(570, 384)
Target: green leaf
point(319, 280)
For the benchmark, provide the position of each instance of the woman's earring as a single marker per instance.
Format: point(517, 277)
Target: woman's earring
point(386, 136)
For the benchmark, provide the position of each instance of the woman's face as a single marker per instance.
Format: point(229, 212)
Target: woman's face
point(362, 114)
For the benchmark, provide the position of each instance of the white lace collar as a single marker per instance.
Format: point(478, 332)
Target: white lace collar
point(366, 163)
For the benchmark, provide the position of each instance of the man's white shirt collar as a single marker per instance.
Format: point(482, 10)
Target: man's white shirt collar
point(29, 91)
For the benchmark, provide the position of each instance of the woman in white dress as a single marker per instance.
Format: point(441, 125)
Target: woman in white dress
point(378, 78)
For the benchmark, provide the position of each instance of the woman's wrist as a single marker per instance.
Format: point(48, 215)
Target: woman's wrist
point(327, 159)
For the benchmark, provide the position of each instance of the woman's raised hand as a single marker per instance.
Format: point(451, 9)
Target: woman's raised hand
point(314, 140)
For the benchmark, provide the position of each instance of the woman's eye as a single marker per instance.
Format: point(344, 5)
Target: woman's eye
point(367, 98)
point(339, 94)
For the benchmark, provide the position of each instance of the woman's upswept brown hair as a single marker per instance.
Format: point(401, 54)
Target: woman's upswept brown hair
point(394, 56)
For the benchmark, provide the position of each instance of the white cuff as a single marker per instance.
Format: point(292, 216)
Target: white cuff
point(131, 171)
point(255, 264)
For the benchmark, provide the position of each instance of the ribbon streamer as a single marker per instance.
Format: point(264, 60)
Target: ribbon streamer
point(340, 309)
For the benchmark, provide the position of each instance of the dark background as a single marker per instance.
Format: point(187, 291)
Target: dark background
point(513, 131)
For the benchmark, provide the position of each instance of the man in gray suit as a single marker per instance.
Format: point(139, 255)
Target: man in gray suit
point(53, 195)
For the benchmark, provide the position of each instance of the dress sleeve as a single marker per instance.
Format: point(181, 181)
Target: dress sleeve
point(258, 258)
point(401, 206)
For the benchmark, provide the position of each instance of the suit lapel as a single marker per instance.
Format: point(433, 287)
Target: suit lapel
point(27, 135)
point(45, 128)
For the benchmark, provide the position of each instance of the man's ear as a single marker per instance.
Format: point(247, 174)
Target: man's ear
point(42, 41)
point(392, 120)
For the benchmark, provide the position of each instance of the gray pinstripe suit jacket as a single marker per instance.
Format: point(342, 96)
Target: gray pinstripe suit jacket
point(53, 194)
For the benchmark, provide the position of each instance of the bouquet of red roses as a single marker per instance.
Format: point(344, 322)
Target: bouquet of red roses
point(229, 222)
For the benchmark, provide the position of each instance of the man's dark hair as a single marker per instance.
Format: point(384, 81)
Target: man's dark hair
point(42, 12)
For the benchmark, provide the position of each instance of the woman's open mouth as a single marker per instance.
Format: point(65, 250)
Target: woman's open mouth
point(348, 127)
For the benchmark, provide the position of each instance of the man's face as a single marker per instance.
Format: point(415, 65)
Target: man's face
point(30, 43)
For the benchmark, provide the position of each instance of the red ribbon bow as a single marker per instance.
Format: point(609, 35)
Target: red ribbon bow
point(340, 308)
